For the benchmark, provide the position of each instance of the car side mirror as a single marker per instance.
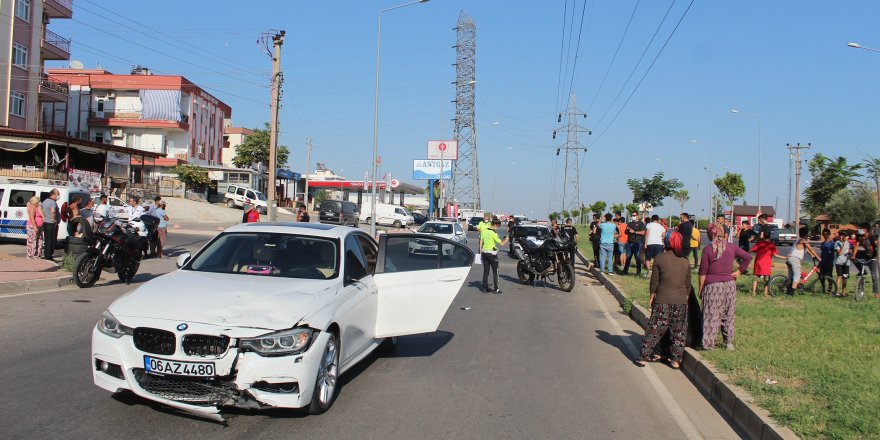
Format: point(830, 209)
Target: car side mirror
point(459, 233)
point(183, 259)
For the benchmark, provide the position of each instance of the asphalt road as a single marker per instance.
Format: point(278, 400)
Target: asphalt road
point(531, 363)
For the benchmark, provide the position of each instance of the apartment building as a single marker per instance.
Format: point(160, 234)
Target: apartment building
point(234, 137)
point(25, 44)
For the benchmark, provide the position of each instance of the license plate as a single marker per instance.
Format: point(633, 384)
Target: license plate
point(164, 366)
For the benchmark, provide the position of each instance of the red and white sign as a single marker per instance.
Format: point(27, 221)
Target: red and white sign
point(443, 150)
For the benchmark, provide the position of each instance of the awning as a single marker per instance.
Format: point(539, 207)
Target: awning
point(17, 144)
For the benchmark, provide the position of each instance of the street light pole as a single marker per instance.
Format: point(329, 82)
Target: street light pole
point(376, 117)
point(759, 151)
point(859, 46)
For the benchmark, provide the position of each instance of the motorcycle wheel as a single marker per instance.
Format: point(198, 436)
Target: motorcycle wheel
point(566, 277)
point(523, 273)
point(128, 271)
point(86, 270)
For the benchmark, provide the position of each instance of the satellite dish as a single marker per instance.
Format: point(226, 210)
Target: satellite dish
point(76, 64)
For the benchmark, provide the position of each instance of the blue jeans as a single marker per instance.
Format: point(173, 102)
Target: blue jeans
point(633, 249)
point(606, 253)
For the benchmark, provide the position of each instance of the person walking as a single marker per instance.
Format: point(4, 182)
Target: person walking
point(796, 257)
point(718, 286)
point(842, 252)
point(636, 232)
point(826, 260)
point(162, 232)
point(302, 214)
point(51, 218)
point(34, 228)
point(669, 288)
point(489, 243)
point(745, 235)
point(607, 231)
point(765, 251)
point(654, 241)
point(570, 233)
point(594, 238)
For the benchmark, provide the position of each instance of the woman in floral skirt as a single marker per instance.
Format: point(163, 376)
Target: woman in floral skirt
point(718, 285)
point(34, 228)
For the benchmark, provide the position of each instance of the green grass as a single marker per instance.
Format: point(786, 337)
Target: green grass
point(823, 352)
point(67, 262)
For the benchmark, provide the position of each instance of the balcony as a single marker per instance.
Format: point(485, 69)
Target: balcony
point(34, 170)
point(132, 118)
point(58, 8)
point(51, 90)
point(54, 47)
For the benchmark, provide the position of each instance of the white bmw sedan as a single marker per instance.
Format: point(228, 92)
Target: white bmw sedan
point(270, 314)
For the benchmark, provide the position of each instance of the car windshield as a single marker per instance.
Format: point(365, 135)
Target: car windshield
point(261, 196)
point(786, 231)
point(534, 232)
point(436, 228)
point(269, 254)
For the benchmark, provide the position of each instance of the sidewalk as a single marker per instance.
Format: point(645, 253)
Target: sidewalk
point(20, 275)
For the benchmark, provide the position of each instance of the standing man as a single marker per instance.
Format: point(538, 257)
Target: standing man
point(695, 243)
point(874, 255)
point(594, 238)
point(762, 221)
point(842, 251)
point(489, 243)
point(570, 233)
point(622, 240)
point(134, 209)
point(654, 240)
point(103, 208)
point(156, 201)
point(635, 232)
point(302, 215)
point(722, 220)
point(745, 235)
point(162, 233)
point(686, 229)
point(554, 228)
point(51, 217)
point(484, 225)
point(607, 232)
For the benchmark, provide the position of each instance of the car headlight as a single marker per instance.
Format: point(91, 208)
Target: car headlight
point(110, 326)
point(280, 343)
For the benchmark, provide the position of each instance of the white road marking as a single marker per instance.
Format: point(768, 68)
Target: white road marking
point(678, 414)
point(13, 295)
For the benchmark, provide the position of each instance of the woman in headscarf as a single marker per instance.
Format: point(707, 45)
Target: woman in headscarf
point(718, 285)
point(670, 286)
point(34, 228)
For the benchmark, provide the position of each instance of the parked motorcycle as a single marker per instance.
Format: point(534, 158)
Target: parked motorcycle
point(114, 246)
point(541, 261)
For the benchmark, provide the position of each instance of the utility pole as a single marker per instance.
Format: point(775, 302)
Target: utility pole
point(277, 78)
point(571, 186)
point(790, 156)
point(465, 182)
point(308, 165)
point(797, 183)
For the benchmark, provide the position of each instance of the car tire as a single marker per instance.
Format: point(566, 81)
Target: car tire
point(397, 224)
point(326, 381)
point(368, 220)
point(230, 203)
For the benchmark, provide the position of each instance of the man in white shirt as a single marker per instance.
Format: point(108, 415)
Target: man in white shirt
point(654, 241)
point(134, 209)
point(103, 208)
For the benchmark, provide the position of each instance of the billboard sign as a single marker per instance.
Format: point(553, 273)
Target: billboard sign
point(427, 169)
point(443, 150)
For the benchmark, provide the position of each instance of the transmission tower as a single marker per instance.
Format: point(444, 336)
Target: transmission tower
point(571, 187)
point(466, 171)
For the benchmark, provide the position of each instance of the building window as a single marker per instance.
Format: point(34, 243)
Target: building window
point(23, 9)
point(133, 140)
point(20, 55)
point(99, 137)
point(100, 106)
point(16, 104)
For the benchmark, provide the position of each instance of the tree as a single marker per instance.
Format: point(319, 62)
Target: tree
point(255, 149)
point(192, 176)
point(585, 212)
point(872, 166)
point(851, 206)
point(730, 187)
point(618, 207)
point(829, 177)
point(565, 214)
point(553, 216)
point(681, 197)
point(651, 192)
point(598, 207)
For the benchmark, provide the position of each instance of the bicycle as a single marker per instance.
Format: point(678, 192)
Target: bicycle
point(862, 266)
point(779, 284)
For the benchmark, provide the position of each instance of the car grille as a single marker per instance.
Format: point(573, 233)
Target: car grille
point(205, 345)
point(154, 341)
point(200, 392)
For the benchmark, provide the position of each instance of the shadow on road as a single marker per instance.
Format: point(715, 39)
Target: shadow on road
point(617, 341)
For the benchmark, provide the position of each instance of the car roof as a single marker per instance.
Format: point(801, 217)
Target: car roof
point(313, 229)
point(443, 222)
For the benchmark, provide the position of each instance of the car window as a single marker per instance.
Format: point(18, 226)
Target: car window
point(436, 228)
point(115, 202)
point(261, 196)
point(231, 189)
point(355, 261)
point(371, 252)
point(405, 253)
point(269, 254)
point(348, 208)
point(457, 228)
point(239, 192)
point(18, 198)
point(251, 195)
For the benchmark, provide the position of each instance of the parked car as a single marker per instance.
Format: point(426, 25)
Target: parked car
point(238, 195)
point(473, 222)
point(419, 218)
point(388, 215)
point(448, 230)
point(270, 315)
point(338, 212)
point(13, 205)
point(117, 206)
point(786, 237)
point(535, 233)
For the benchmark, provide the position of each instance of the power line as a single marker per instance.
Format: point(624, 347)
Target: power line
point(578, 48)
point(616, 52)
point(561, 50)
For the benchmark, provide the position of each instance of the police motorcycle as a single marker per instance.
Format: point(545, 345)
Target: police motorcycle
point(552, 257)
point(115, 246)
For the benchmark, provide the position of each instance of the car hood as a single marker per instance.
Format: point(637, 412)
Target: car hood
point(225, 299)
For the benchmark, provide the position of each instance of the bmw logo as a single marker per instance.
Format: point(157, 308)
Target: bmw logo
point(182, 326)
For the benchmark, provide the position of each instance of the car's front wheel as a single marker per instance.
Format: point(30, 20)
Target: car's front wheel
point(328, 374)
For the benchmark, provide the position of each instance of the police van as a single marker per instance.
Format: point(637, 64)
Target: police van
point(14, 196)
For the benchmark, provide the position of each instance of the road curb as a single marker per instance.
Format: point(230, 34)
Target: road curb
point(8, 287)
point(734, 402)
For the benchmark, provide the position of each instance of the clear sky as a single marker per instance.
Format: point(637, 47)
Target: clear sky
point(785, 61)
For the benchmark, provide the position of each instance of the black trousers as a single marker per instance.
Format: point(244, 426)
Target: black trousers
point(50, 236)
point(490, 261)
point(595, 251)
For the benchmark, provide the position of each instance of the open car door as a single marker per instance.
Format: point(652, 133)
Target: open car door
point(417, 277)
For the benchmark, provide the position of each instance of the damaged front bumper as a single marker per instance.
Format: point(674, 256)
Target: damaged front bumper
point(242, 379)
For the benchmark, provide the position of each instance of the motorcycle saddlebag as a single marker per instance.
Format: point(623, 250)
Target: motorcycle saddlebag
point(150, 221)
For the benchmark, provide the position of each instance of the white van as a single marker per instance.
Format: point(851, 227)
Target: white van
point(388, 215)
point(237, 195)
point(13, 206)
